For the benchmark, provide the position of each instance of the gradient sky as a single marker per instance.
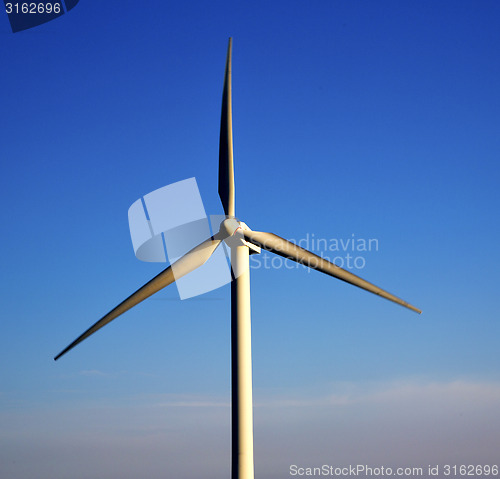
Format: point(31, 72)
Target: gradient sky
point(374, 119)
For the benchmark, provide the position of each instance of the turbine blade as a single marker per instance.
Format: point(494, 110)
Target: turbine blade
point(189, 262)
point(285, 248)
point(226, 170)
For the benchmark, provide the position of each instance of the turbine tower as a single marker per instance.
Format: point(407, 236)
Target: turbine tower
point(242, 242)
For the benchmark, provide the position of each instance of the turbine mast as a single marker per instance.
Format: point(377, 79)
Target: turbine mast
point(242, 466)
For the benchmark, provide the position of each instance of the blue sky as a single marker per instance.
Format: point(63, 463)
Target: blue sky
point(373, 119)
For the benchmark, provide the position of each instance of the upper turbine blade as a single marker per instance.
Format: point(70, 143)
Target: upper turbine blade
point(285, 248)
point(226, 170)
point(189, 262)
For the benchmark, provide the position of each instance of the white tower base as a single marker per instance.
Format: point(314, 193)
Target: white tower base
point(241, 366)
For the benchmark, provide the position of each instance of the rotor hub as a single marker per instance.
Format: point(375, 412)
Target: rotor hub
point(229, 226)
point(231, 230)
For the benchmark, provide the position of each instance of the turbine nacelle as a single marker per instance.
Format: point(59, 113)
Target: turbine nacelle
point(232, 232)
point(228, 227)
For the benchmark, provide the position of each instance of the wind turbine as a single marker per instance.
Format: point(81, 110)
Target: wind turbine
point(242, 242)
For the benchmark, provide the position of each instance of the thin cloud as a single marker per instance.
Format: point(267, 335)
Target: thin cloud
point(94, 372)
point(413, 422)
point(194, 404)
point(466, 392)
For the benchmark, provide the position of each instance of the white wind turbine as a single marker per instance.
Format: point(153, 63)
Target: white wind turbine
point(242, 242)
